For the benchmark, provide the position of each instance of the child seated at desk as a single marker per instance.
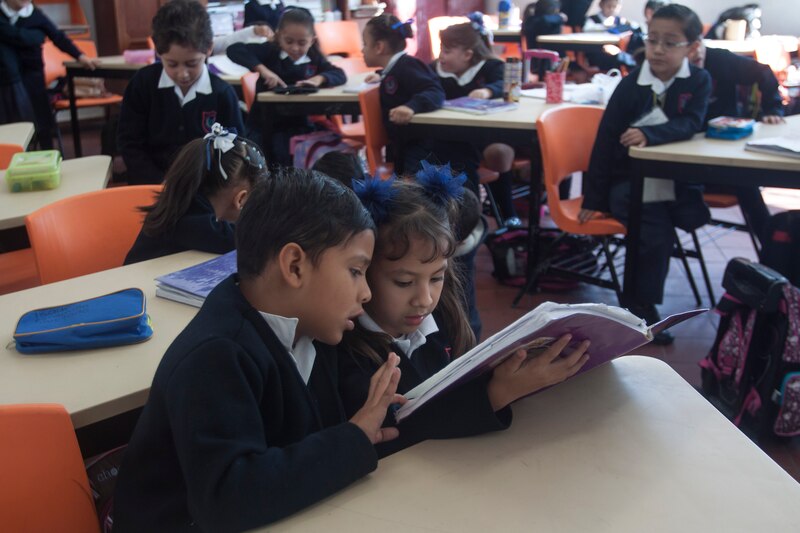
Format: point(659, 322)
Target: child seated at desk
point(663, 101)
point(293, 58)
point(243, 425)
point(543, 17)
point(204, 192)
point(408, 86)
point(167, 104)
point(608, 20)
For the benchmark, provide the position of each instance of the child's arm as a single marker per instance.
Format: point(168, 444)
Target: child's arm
point(747, 71)
point(685, 125)
point(429, 96)
point(133, 132)
point(222, 43)
point(256, 57)
point(64, 43)
point(494, 82)
point(328, 74)
point(228, 113)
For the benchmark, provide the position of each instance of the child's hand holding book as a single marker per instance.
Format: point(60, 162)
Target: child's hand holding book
point(382, 394)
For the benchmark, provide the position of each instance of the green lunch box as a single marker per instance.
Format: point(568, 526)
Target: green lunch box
point(34, 171)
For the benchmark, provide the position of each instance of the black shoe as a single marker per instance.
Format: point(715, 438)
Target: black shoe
point(663, 338)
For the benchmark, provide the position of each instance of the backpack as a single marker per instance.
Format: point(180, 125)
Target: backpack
point(781, 247)
point(102, 471)
point(309, 147)
point(752, 372)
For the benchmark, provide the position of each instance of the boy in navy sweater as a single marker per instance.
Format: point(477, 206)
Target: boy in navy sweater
point(23, 27)
point(730, 72)
point(664, 101)
point(170, 103)
point(243, 425)
point(408, 86)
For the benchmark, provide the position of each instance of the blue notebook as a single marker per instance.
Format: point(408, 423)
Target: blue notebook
point(191, 285)
point(478, 106)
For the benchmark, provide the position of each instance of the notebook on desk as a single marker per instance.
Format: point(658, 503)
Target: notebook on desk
point(191, 285)
point(478, 106)
point(786, 146)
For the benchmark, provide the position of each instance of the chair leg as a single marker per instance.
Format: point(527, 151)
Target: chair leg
point(753, 238)
point(493, 206)
point(611, 269)
point(703, 268)
point(58, 133)
point(682, 256)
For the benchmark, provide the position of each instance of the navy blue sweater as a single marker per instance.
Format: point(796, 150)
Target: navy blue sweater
point(197, 229)
point(728, 71)
point(153, 126)
point(251, 55)
point(490, 76)
point(231, 438)
point(534, 26)
point(411, 83)
point(255, 13)
point(685, 106)
point(461, 412)
point(27, 39)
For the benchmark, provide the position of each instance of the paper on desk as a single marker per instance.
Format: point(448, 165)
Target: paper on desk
point(221, 63)
point(582, 93)
point(655, 190)
point(363, 86)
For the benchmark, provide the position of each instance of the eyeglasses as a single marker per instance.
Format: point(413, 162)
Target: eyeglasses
point(667, 45)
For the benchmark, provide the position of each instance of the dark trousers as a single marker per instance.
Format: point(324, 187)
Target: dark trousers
point(465, 268)
point(43, 114)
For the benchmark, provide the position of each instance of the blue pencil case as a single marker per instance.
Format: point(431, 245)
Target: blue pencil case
point(730, 128)
point(109, 320)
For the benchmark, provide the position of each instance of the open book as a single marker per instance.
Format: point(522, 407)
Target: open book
point(613, 331)
point(788, 146)
point(478, 106)
point(192, 284)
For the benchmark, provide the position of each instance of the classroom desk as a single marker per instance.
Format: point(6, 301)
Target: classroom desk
point(508, 35)
point(748, 47)
point(78, 176)
point(93, 385)
point(626, 447)
point(331, 101)
point(19, 133)
point(112, 67)
point(578, 42)
point(702, 160)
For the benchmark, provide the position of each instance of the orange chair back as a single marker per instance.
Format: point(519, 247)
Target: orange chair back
point(340, 37)
point(87, 233)
point(374, 130)
point(7, 151)
point(44, 481)
point(566, 136)
point(249, 82)
point(53, 62)
point(353, 65)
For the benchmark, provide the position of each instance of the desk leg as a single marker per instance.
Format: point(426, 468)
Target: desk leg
point(633, 234)
point(73, 116)
point(534, 227)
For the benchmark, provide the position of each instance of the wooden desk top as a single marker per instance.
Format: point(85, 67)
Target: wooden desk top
point(118, 63)
point(626, 447)
point(334, 94)
point(522, 118)
point(78, 176)
point(95, 384)
point(748, 46)
point(599, 38)
point(703, 151)
point(19, 133)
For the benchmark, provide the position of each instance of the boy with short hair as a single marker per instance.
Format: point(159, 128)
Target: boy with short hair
point(170, 103)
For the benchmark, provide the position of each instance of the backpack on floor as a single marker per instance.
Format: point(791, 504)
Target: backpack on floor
point(781, 247)
point(102, 471)
point(752, 372)
point(309, 147)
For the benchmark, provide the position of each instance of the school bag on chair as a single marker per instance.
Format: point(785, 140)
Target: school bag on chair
point(752, 372)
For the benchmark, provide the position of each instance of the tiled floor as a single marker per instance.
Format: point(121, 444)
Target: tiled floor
point(693, 338)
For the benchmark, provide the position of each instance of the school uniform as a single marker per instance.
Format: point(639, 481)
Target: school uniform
point(730, 74)
point(606, 186)
point(460, 412)
point(269, 54)
point(534, 26)
point(157, 120)
point(263, 12)
point(15, 104)
point(605, 61)
point(197, 229)
point(410, 82)
point(237, 431)
point(31, 63)
point(575, 10)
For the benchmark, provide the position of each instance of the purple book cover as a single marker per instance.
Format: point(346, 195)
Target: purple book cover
point(199, 280)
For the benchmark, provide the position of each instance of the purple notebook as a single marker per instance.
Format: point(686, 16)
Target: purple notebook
point(191, 285)
point(612, 331)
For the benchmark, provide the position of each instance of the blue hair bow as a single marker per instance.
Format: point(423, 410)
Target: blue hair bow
point(476, 20)
point(403, 27)
point(440, 183)
point(376, 195)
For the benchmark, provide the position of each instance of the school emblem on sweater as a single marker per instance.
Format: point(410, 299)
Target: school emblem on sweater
point(391, 84)
point(683, 99)
point(209, 119)
point(310, 70)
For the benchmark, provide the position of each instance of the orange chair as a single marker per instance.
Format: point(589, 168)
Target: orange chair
point(375, 135)
point(87, 233)
point(18, 271)
point(249, 82)
point(44, 487)
point(353, 131)
point(76, 18)
point(7, 151)
point(340, 37)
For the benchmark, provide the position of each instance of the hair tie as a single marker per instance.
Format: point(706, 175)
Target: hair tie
point(222, 140)
point(376, 195)
point(440, 183)
point(476, 21)
point(403, 27)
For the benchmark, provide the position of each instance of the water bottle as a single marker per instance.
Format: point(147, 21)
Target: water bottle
point(512, 79)
point(503, 14)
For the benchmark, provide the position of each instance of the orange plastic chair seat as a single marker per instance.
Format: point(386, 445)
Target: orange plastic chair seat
point(567, 220)
point(7, 151)
point(89, 102)
point(720, 200)
point(18, 271)
point(354, 131)
point(487, 176)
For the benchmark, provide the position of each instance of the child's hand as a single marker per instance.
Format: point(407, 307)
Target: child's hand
point(516, 377)
point(88, 62)
point(585, 215)
point(316, 81)
point(633, 137)
point(271, 80)
point(262, 30)
point(372, 77)
point(772, 119)
point(483, 94)
point(382, 389)
point(401, 115)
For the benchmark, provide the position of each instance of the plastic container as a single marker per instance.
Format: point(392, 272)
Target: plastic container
point(554, 87)
point(512, 80)
point(34, 171)
point(504, 14)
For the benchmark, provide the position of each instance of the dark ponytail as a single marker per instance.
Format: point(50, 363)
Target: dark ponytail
point(390, 29)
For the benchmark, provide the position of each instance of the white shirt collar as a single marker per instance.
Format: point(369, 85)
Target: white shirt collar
point(465, 78)
point(646, 77)
point(395, 58)
point(302, 61)
point(407, 343)
point(303, 351)
point(202, 86)
point(13, 15)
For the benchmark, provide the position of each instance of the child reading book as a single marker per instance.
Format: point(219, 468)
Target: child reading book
point(243, 425)
point(417, 312)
